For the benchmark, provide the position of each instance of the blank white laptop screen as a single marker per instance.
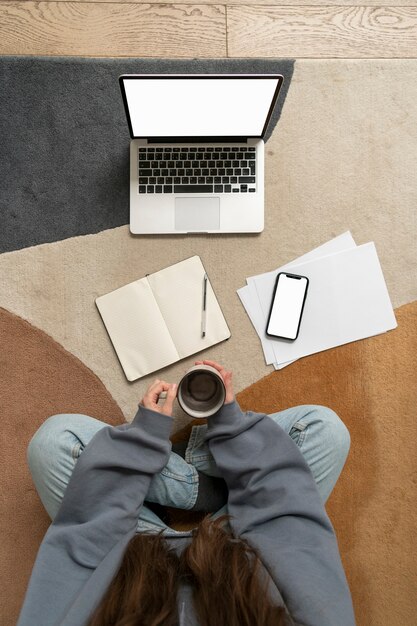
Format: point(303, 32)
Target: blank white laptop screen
point(199, 107)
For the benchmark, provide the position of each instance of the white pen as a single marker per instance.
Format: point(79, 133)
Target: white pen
point(204, 311)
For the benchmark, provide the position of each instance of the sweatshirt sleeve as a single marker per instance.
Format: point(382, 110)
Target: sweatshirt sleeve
point(83, 547)
point(275, 504)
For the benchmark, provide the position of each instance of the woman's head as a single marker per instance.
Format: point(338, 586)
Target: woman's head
point(224, 572)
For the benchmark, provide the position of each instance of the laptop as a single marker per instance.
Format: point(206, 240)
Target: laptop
point(197, 150)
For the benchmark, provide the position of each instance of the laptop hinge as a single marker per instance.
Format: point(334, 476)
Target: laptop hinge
point(197, 140)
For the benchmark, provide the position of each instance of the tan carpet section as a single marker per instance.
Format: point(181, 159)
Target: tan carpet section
point(371, 384)
point(38, 379)
point(342, 157)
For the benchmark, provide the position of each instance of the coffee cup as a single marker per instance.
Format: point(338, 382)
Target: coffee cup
point(201, 391)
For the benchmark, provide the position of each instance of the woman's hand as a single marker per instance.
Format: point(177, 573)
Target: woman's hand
point(151, 397)
point(227, 378)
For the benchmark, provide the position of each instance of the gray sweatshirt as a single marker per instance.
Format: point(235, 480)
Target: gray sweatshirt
point(273, 499)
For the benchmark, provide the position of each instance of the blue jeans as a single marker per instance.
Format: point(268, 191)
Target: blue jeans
point(54, 449)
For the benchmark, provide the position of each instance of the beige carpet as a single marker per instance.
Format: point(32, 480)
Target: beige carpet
point(342, 157)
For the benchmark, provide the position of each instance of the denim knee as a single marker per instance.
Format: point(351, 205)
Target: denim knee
point(334, 431)
point(46, 435)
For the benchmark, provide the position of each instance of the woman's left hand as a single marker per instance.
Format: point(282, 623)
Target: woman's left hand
point(151, 397)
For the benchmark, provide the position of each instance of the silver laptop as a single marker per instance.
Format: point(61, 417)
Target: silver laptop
point(197, 150)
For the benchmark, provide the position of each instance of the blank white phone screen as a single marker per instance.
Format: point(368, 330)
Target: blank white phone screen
point(181, 107)
point(286, 310)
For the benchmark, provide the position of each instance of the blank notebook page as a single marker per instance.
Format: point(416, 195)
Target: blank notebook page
point(178, 290)
point(137, 329)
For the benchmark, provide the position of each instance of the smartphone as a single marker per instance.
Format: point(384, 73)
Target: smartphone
point(287, 306)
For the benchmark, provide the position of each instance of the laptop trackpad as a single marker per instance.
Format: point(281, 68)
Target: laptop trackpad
point(197, 214)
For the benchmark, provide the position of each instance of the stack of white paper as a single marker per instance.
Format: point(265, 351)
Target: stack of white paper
point(347, 300)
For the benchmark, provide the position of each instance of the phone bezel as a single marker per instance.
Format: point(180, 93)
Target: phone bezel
point(296, 276)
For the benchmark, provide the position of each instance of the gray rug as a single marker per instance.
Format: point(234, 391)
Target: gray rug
point(64, 150)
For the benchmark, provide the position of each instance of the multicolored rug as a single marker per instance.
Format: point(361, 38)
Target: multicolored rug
point(342, 157)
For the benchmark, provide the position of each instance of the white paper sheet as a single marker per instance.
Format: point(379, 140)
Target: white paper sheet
point(249, 295)
point(347, 300)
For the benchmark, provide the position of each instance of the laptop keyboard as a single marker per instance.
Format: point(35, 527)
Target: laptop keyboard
point(209, 169)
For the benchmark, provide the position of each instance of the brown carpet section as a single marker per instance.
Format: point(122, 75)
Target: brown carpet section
point(372, 385)
point(38, 378)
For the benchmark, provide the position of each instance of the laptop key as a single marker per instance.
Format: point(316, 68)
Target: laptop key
point(228, 188)
point(142, 188)
point(150, 189)
point(158, 189)
point(177, 180)
point(193, 188)
point(146, 172)
point(246, 179)
point(201, 180)
point(143, 180)
point(218, 188)
point(167, 188)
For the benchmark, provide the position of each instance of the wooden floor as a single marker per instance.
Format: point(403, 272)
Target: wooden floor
point(250, 28)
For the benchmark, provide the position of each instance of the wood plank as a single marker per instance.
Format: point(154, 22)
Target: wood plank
point(337, 32)
point(355, 3)
point(112, 29)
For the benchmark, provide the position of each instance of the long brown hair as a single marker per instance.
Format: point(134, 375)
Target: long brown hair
point(223, 570)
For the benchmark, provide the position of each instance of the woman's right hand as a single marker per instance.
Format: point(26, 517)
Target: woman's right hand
point(153, 393)
point(227, 378)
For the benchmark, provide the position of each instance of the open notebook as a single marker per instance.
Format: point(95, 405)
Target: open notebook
point(156, 321)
